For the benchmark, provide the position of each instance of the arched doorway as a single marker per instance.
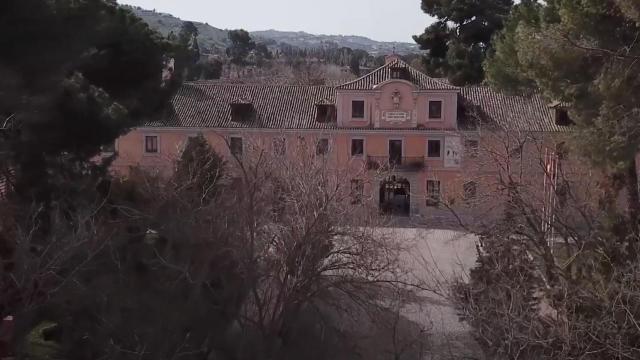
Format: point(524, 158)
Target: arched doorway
point(395, 198)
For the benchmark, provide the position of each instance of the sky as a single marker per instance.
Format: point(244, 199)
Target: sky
point(382, 20)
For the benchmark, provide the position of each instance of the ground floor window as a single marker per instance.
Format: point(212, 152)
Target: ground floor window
point(470, 189)
point(279, 146)
point(151, 144)
point(395, 196)
point(357, 147)
point(357, 191)
point(235, 146)
point(322, 147)
point(433, 192)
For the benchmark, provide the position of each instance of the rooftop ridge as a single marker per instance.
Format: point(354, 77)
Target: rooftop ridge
point(380, 75)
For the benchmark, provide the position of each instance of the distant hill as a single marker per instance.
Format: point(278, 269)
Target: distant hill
point(212, 38)
point(209, 38)
point(306, 40)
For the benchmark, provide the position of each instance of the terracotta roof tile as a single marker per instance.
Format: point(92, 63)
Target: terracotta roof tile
point(208, 104)
point(204, 104)
point(526, 113)
point(383, 73)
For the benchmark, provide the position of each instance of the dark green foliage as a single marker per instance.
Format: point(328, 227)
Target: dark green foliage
point(155, 285)
point(199, 170)
point(499, 301)
point(583, 54)
point(461, 38)
point(92, 74)
point(209, 69)
point(241, 45)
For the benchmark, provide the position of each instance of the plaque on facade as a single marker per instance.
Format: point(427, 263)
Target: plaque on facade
point(396, 116)
point(452, 151)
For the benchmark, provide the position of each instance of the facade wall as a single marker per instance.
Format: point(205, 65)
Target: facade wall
point(386, 106)
point(477, 167)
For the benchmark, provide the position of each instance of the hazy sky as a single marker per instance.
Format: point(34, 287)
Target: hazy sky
point(384, 20)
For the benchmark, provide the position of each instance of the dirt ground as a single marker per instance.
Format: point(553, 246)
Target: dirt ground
point(435, 258)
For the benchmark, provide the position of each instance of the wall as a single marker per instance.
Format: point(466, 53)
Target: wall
point(412, 102)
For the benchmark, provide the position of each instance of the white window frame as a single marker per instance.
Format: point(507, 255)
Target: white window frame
point(426, 153)
point(442, 109)
point(144, 144)
point(364, 147)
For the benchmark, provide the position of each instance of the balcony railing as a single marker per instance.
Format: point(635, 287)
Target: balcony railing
point(404, 163)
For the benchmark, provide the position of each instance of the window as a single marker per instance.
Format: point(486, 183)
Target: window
point(562, 117)
point(357, 191)
point(435, 109)
point(357, 147)
point(433, 148)
point(279, 146)
point(302, 143)
point(472, 147)
point(322, 147)
point(470, 189)
point(151, 144)
point(326, 113)
point(433, 192)
point(235, 146)
point(357, 109)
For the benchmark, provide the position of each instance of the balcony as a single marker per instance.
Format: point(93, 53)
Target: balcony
point(403, 163)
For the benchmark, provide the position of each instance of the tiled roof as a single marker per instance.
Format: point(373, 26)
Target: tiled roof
point(382, 74)
point(204, 104)
point(527, 113)
point(208, 104)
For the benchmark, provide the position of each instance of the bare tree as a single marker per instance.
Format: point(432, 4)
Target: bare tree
point(554, 272)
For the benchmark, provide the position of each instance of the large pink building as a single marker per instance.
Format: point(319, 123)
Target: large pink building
point(415, 139)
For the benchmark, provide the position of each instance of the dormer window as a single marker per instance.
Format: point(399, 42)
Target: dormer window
point(561, 113)
point(326, 112)
point(241, 110)
point(562, 117)
point(399, 73)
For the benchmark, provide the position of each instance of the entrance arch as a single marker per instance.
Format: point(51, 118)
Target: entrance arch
point(395, 198)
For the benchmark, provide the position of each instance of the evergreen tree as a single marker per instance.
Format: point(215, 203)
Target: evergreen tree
point(583, 54)
point(94, 73)
point(241, 45)
point(459, 40)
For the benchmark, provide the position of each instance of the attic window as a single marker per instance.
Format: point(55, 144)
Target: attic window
point(562, 117)
point(241, 110)
point(326, 112)
point(561, 113)
point(399, 73)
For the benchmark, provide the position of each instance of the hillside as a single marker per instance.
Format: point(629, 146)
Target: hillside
point(211, 37)
point(306, 40)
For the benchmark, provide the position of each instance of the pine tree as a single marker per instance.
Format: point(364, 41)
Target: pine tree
point(458, 42)
point(583, 54)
